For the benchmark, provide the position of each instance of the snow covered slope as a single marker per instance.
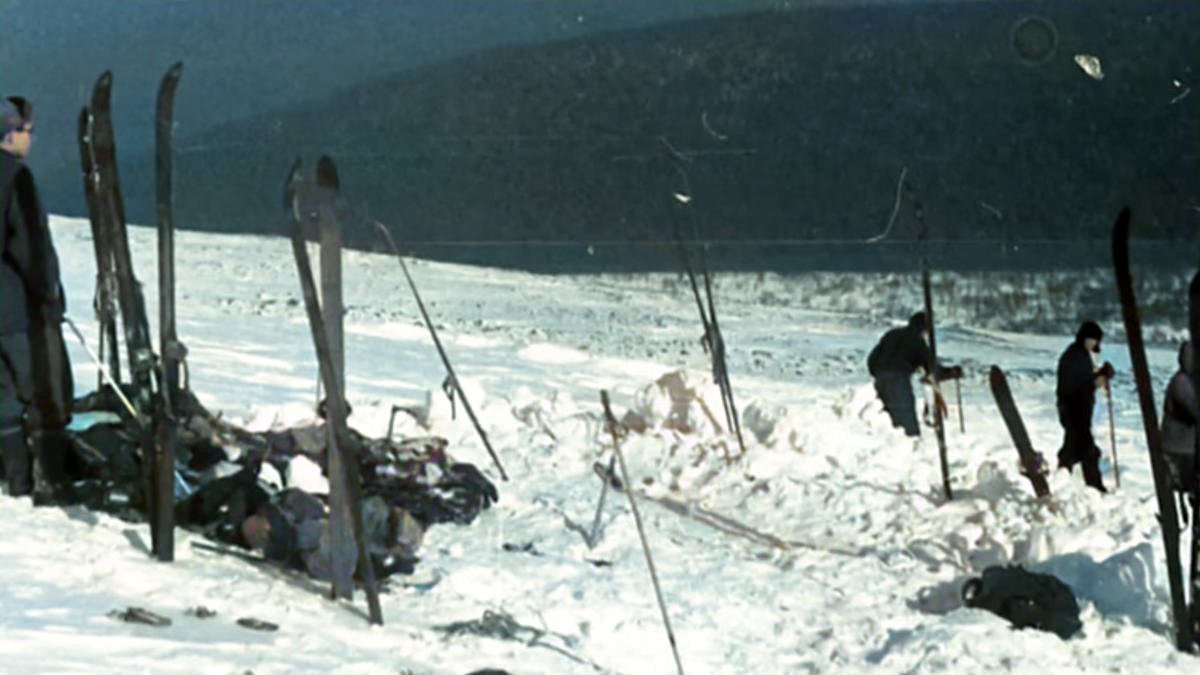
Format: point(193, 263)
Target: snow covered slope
point(864, 573)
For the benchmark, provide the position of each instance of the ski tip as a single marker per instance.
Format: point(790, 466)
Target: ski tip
point(327, 174)
point(170, 81)
point(1123, 222)
point(105, 79)
point(289, 186)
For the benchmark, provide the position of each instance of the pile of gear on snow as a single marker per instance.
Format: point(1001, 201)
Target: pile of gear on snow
point(263, 491)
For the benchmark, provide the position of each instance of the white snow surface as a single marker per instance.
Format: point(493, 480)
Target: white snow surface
point(874, 558)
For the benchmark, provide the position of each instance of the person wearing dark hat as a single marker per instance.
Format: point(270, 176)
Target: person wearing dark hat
point(36, 389)
point(900, 352)
point(1078, 380)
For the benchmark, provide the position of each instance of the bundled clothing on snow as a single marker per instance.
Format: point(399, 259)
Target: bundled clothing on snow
point(1027, 599)
point(900, 352)
point(36, 385)
point(1180, 412)
point(1075, 396)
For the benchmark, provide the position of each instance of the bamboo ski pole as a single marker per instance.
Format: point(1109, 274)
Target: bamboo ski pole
point(104, 371)
point(441, 351)
point(637, 518)
point(1112, 434)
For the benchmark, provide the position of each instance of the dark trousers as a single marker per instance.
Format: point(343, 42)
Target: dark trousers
point(1079, 447)
point(36, 392)
point(16, 393)
point(895, 390)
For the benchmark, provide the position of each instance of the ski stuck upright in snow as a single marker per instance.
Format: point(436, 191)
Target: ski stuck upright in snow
point(312, 203)
point(712, 340)
point(1168, 517)
point(171, 349)
point(117, 287)
point(1033, 465)
point(931, 368)
point(1194, 497)
point(104, 302)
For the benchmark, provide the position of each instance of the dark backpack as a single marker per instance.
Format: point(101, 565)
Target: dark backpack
point(873, 360)
point(1027, 599)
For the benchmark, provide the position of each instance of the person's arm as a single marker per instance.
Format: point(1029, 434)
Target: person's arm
point(1077, 375)
point(30, 250)
point(921, 354)
point(1181, 399)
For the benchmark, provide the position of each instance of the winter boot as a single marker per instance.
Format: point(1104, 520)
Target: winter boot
point(18, 469)
point(1091, 475)
point(51, 485)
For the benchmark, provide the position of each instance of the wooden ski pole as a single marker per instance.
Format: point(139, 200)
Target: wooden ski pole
point(962, 425)
point(1112, 434)
point(637, 518)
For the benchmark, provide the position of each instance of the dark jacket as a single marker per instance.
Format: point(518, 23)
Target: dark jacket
point(29, 274)
point(900, 350)
point(31, 296)
point(1076, 390)
point(1180, 409)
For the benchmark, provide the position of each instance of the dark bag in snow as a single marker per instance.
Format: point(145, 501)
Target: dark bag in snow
point(1027, 599)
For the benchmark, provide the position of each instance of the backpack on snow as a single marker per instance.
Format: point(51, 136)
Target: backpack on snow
point(1027, 599)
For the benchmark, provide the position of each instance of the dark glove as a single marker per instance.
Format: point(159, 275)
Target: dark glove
point(1106, 370)
point(950, 373)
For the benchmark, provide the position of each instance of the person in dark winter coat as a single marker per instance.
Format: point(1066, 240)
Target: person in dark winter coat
point(1078, 380)
point(35, 376)
point(900, 352)
point(1180, 412)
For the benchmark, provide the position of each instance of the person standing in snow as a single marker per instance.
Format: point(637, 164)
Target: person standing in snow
point(36, 388)
point(1180, 412)
point(900, 352)
point(1078, 380)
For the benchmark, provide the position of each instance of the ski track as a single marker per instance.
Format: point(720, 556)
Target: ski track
point(870, 582)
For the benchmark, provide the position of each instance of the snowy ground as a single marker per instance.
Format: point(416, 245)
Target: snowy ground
point(875, 557)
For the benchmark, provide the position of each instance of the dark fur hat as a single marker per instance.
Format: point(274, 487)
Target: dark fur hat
point(15, 112)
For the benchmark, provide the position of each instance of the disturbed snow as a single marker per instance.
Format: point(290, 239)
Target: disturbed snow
point(872, 557)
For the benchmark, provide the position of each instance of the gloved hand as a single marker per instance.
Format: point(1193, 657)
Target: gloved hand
point(950, 373)
point(1106, 371)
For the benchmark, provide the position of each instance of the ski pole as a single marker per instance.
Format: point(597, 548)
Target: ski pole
point(180, 483)
point(607, 478)
point(637, 518)
point(104, 371)
point(1112, 434)
point(451, 377)
point(962, 425)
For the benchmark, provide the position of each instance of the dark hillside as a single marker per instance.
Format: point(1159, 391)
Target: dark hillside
point(797, 123)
